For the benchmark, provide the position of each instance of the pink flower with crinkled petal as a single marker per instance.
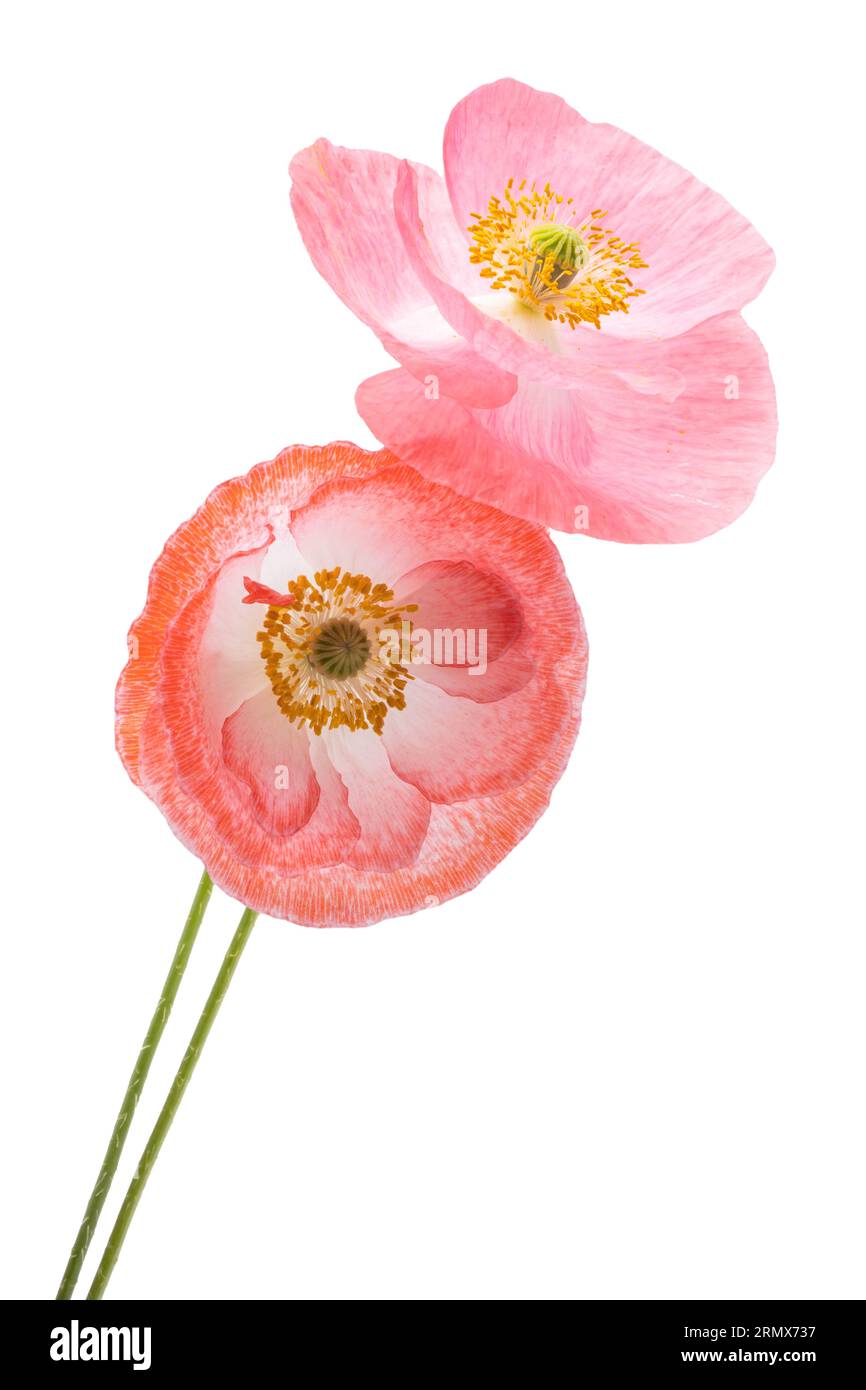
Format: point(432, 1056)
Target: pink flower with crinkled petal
point(351, 691)
point(565, 309)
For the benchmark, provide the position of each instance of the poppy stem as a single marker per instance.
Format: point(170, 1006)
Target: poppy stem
point(133, 1090)
point(169, 1109)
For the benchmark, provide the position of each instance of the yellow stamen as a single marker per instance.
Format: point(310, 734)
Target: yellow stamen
point(531, 244)
point(327, 663)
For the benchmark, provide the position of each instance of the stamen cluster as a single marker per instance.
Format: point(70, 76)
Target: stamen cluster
point(325, 656)
point(531, 244)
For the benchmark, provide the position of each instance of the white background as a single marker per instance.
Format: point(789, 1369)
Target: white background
point(629, 1065)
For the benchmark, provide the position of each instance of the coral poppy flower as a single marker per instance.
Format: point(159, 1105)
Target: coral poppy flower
point(565, 307)
point(351, 691)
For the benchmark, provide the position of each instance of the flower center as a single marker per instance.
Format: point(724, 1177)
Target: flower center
point(341, 648)
point(560, 252)
point(532, 244)
point(327, 654)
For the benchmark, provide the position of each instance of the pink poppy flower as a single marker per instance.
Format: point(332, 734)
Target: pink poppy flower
point(351, 691)
point(565, 308)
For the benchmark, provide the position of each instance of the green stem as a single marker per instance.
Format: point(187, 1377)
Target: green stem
point(133, 1090)
point(169, 1110)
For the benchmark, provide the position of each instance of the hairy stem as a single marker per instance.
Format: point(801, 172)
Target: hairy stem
point(169, 1109)
point(133, 1090)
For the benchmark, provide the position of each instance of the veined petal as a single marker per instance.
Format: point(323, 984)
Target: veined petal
point(343, 201)
point(452, 749)
point(467, 630)
point(272, 758)
point(393, 816)
point(612, 461)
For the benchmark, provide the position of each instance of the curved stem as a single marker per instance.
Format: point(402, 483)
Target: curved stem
point(169, 1109)
point(133, 1090)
